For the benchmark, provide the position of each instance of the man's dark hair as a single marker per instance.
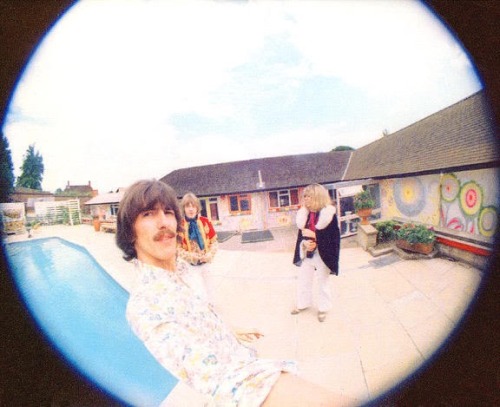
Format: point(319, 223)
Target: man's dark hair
point(142, 196)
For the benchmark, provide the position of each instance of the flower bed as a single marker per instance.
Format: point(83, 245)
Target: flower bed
point(424, 248)
point(415, 238)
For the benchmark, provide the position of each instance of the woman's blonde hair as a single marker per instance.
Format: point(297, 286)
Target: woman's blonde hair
point(319, 196)
point(190, 198)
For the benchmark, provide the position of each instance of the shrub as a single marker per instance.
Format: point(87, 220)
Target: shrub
point(413, 233)
point(386, 231)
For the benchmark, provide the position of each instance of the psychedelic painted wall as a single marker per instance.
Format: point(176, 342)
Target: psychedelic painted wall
point(466, 201)
point(469, 201)
point(412, 198)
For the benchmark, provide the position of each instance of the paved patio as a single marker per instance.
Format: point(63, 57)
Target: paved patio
point(390, 315)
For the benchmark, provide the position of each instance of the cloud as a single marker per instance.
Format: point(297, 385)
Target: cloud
point(125, 90)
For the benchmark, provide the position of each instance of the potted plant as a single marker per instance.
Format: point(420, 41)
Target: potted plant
point(415, 238)
point(96, 222)
point(364, 203)
point(31, 225)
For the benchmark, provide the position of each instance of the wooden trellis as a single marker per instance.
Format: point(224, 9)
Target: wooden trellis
point(57, 212)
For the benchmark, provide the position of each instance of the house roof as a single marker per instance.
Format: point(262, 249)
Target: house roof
point(457, 137)
point(108, 198)
point(30, 191)
point(78, 188)
point(83, 189)
point(275, 172)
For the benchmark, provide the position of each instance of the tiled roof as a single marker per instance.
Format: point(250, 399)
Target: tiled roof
point(276, 173)
point(460, 136)
point(108, 198)
point(30, 191)
point(78, 188)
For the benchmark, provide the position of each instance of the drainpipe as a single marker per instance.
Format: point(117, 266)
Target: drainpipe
point(261, 185)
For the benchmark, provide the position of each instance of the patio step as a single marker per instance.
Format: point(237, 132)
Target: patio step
point(380, 251)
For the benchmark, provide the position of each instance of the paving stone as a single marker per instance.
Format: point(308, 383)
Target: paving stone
point(390, 315)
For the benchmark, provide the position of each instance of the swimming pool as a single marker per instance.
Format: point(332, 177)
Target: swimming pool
point(81, 310)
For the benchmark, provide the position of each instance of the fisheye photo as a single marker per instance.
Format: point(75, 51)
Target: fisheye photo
point(243, 203)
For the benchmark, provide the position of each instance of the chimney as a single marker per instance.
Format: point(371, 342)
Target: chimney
point(261, 184)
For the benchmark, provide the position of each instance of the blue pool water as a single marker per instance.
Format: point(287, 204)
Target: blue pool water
point(81, 310)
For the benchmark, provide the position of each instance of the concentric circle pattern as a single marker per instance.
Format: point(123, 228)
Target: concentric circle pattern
point(409, 194)
point(450, 187)
point(488, 221)
point(471, 198)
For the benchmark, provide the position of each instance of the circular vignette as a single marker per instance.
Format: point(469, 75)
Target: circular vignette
point(442, 395)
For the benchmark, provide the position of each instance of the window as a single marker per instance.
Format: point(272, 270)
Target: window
point(332, 194)
point(114, 209)
point(375, 193)
point(240, 204)
point(283, 198)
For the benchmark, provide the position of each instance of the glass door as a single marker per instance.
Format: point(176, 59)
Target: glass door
point(348, 220)
point(210, 208)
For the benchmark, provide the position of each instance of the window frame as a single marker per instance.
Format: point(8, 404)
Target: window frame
point(291, 194)
point(113, 209)
point(239, 199)
point(206, 208)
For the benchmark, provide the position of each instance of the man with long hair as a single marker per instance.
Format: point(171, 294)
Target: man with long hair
point(180, 327)
point(198, 239)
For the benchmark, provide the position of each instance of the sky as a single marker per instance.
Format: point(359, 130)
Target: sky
point(123, 90)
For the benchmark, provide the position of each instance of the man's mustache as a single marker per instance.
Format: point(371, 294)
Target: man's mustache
point(164, 233)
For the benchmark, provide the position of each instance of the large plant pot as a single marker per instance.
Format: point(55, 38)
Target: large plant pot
point(423, 248)
point(97, 225)
point(364, 214)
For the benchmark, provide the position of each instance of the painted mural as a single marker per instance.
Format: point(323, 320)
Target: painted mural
point(464, 201)
point(469, 202)
point(412, 198)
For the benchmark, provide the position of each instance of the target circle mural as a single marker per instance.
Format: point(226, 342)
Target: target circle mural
point(471, 198)
point(450, 187)
point(409, 195)
point(488, 221)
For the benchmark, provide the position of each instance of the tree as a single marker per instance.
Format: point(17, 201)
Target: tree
point(6, 170)
point(343, 148)
point(31, 170)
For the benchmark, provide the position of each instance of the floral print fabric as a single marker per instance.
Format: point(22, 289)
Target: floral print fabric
point(189, 249)
point(169, 312)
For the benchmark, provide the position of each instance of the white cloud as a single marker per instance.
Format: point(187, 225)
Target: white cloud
point(100, 96)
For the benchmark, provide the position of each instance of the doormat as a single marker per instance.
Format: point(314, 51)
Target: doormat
point(223, 236)
point(256, 236)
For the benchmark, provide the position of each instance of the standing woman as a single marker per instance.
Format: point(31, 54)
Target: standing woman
point(317, 249)
point(198, 238)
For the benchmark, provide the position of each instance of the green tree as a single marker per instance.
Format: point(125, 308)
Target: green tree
point(31, 170)
point(6, 170)
point(343, 148)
